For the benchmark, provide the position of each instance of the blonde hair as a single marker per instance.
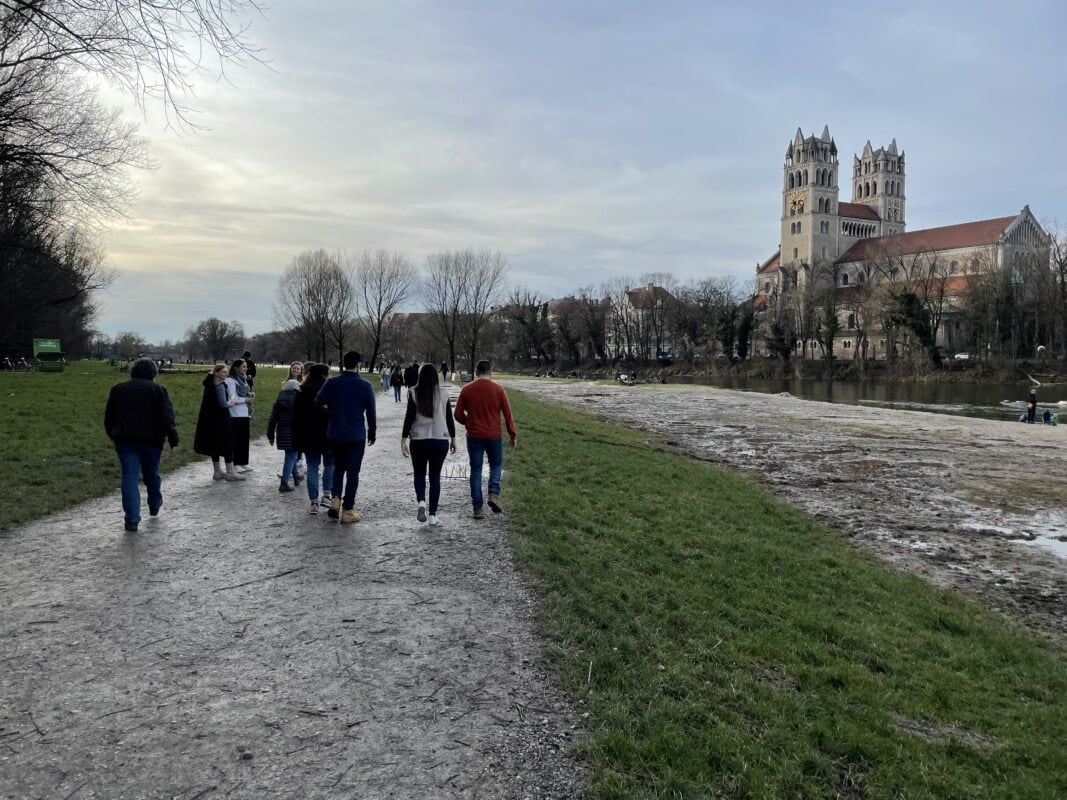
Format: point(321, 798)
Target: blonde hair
point(217, 369)
point(290, 376)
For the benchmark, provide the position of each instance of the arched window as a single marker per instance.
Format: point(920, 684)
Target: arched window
point(830, 178)
point(866, 190)
point(795, 252)
point(874, 187)
point(821, 202)
point(953, 267)
point(860, 277)
point(798, 226)
point(844, 279)
point(852, 320)
point(791, 180)
point(767, 287)
point(805, 177)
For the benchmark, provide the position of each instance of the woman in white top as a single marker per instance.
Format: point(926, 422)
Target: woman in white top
point(432, 430)
point(241, 393)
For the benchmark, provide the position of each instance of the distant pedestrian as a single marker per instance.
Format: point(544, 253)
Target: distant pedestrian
point(444, 371)
point(386, 375)
point(1031, 406)
point(411, 374)
point(350, 402)
point(396, 380)
point(239, 390)
point(138, 418)
point(480, 405)
point(309, 435)
point(432, 430)
point(280, 429)
point(251, 374)
point(214, 426)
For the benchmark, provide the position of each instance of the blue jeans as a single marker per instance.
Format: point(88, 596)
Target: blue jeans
point(396, 393)
point(494, 451)
point(347, 459)
point(291, 457)
point(313, 473)
point(139, 461)
point(428, 453)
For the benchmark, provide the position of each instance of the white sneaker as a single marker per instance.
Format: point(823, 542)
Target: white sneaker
point(242, 468)
point(434, 520)
point(421, 516)
point(314, 508)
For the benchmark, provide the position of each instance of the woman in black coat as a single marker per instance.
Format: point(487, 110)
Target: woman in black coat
point(214, 430)
point(309, 435)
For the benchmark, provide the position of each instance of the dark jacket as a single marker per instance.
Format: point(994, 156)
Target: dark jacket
point(139, 411)
point(396, 378)
point(349, 399)
point(309, 422)
point(280, 424)
point(411, 375)
point(214, 430)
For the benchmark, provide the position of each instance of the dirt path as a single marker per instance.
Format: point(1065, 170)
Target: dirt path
point(976, 505)
point(239, 647)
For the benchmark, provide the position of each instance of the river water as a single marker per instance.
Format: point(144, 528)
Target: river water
point(1003, 401)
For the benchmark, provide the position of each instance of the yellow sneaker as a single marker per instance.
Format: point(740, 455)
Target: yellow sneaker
point(349, 515)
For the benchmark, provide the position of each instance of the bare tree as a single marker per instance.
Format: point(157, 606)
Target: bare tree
point(442, 299)
point(315, 303)
point(483, 274)
point(215, 338)
point(384, 281)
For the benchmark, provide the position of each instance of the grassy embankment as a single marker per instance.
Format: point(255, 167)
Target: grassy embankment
point(52, 444)
point(726, 645)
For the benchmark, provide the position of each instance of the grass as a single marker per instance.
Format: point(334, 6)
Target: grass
point(726, 645)
point(52, 442)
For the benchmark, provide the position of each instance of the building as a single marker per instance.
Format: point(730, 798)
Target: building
point(855, 248)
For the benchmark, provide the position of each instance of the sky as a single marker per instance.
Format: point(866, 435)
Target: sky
point(586, 141)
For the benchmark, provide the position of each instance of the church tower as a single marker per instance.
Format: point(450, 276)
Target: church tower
point(878, 182)
point(809, 200)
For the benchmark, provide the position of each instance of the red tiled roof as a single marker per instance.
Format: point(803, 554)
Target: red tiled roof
point(771, 264)
point(950, 237)
point(648, 295)
point(856, 211)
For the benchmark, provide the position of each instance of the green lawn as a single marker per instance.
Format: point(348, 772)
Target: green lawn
point(725, 645)
point(52, 442)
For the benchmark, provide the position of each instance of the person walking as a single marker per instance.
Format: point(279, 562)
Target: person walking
point(309, 436)
point(444, 371)
point(429, 424)
point(350, 402)
point(386, 375)
point(479, 407)
point(137, 418)
point(214, 428)
point(1031, 406)
point(280, 429)
point(411, 374)
point(247, 357)
point(396, 380)
point(238, 389)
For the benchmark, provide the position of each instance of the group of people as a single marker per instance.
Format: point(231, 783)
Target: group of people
point(328, 421)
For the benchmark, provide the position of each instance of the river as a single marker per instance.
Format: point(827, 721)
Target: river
point(1001, 401)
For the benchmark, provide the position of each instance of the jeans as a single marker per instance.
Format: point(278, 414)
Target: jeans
point(396, 393)
point(139, 460)
point(291, 457)
point(432, 453)
point(494, 451)
point(313, 473)
point(347, 459)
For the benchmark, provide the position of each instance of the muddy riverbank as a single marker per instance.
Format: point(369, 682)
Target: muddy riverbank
point(979, 506)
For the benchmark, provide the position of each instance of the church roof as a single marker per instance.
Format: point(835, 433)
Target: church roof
point(646, 296)
point(857, 211)
point(950, 237)
point(771, 264)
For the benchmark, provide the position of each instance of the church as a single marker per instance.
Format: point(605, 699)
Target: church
point(852, 247)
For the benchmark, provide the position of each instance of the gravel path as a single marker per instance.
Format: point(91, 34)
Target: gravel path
point(239, 647)
point(976, 505)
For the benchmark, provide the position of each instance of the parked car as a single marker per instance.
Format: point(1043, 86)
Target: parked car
point(962, 356)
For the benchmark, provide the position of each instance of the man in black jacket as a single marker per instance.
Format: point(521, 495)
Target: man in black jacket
point(251, 374)
point(411, 375)
point(138, 417)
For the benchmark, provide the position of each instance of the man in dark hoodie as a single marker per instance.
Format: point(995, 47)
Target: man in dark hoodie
point(138, 417)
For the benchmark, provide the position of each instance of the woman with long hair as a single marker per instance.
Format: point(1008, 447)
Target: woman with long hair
point(309, 435)
point(214, 427)
point(429, 425)
point(239, 390)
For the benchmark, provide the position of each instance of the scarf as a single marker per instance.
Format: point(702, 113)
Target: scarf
point(242, 383)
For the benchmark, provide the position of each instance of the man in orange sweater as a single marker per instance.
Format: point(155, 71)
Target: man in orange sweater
point(480, 404)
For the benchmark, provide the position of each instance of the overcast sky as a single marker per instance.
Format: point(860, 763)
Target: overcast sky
point(584, 140)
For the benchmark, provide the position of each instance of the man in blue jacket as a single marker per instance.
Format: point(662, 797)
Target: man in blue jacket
point(138, 417)
point(349, 400)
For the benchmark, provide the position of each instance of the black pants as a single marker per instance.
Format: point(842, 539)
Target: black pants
point(432, 453)
point(347, 459)
point(241, 428)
